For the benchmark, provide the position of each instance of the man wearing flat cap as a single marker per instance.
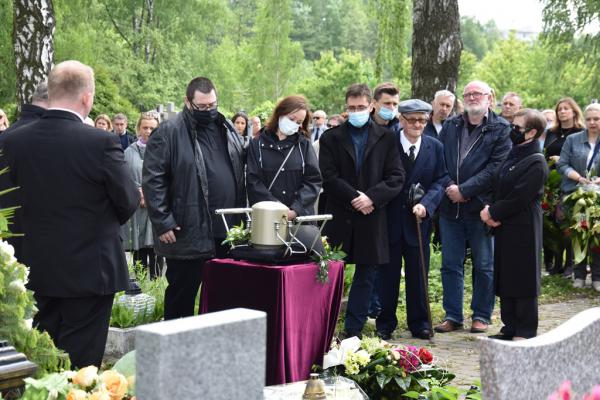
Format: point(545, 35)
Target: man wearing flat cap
point(423, 160)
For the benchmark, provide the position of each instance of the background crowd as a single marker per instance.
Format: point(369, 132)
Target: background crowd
point(393, 174)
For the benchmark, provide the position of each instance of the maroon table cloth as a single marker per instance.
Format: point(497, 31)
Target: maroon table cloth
point(301, 312)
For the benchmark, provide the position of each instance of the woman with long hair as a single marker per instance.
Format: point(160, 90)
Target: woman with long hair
point(103, 122)
point(282, 164)
point(569, 120)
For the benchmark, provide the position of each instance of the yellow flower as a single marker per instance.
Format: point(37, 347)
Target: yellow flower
point(115, 384)
point(85, 377)
point(76, 394)
point(99, 395)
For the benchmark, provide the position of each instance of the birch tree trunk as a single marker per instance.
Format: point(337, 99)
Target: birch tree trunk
point(33, 42)
point(436, 47)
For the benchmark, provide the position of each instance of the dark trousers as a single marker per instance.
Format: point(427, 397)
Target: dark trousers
point(77, 325)
point(184, 278)
point(519, 316)
point(149, 260)
point(390, 275)
point(359, 298)
point(581, 268)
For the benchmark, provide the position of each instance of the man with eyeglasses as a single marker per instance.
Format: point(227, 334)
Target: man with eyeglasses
point(194, 164)
point(423, 160)
point(475, 144)
point(319, 125)
point(361, 170)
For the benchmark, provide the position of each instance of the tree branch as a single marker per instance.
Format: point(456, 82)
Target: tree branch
point(117, 27)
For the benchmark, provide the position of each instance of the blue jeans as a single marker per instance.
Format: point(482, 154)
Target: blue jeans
point(359, 297)
point(455, 234)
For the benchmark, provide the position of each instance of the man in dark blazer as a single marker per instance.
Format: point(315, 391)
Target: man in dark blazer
point(423, 160)
point(362, 172)
point(29, 113)
point(76, 192)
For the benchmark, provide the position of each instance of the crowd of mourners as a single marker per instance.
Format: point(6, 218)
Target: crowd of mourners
point(394, 174)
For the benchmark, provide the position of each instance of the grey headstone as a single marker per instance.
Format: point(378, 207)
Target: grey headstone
point(534, 368)
point(217, 356)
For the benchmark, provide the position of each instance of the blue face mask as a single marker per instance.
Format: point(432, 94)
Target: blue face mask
point(386, 114)
point(359, 118)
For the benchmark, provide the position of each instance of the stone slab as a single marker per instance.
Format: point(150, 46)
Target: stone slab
point(534, 368)
point(216, 356)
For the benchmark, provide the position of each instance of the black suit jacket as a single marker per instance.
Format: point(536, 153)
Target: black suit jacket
point(364, 237)
point(76, 192)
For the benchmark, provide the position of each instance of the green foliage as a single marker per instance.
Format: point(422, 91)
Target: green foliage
point(124, 317)
point(331, 76)
point(478, 39)
point(237, 235)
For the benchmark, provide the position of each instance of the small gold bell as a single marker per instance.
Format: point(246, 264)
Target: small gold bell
point(315, 389)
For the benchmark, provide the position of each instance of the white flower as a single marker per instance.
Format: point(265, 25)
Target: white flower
point(362, 357)
point(7, 248)
point(28, 323)
point(337, 356)
point(17, 285)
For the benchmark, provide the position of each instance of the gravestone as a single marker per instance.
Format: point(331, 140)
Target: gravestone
point(534, 368)
point(216, 356)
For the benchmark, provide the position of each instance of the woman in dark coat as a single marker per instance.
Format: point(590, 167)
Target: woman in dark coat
point(516, 218)
point(282, 164)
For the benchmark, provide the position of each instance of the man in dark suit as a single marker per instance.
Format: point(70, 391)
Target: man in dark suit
point(362, 172)
point(76, 192)
point(29, 113)
point(423, 160)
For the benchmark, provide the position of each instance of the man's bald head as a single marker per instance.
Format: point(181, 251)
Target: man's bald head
point(69, 80)
point(71, 86)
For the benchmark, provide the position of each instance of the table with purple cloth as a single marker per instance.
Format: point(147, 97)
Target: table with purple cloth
point(301, 312)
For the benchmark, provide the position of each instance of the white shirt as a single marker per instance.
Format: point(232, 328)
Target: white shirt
point(406, 145)
point(71, 111)
point(438, 127)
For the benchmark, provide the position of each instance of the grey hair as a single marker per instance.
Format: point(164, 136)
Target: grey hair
point(40, 94)
point(444, 93)
point(482, 84)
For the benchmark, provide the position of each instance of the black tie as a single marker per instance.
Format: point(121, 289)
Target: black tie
point(316, 134)
point(411, 154)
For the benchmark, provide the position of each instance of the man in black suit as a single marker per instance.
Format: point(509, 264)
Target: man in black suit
point(362, 172)
point(76, 192)
point(29, 113)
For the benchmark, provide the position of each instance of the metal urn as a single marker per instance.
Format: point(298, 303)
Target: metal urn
point(140, 303)
point(269, 224)
point(315, 389)
point(14, 367)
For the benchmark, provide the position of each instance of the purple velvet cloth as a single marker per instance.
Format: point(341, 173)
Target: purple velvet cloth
point(301, 312)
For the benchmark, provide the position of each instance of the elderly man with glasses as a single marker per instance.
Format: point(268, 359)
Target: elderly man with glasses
point(475, 144)
point(194, 164)
point(319, 125)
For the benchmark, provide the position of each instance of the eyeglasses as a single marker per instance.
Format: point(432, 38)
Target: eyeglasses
point(519, 128)
point(473, 95)
point(318, 117)
point(413, 121)
point(205, 107)
point(356, 108)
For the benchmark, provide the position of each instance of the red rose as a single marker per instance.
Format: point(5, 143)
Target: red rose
point(425, 356)
point(545, 206)
point(584, 224)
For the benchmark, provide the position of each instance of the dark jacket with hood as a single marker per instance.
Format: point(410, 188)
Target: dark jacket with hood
point(299, 182)
point(175, 185)
point(474, 175)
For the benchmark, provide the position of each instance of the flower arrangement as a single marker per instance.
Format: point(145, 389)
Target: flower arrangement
point(564, 393)
point(237, 235)
point(85, 384)
point(322, 260)
point(17, 306)
point(386, 371)
point(553, 234)
point(583, 210)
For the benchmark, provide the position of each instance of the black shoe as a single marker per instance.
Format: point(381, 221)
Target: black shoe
point(500, 336)
point(425, 334)
point(384, 335)
point(568, 272)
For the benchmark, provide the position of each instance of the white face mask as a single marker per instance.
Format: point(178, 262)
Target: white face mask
point(287, 126)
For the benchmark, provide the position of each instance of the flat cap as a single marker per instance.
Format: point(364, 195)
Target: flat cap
point(413, 106)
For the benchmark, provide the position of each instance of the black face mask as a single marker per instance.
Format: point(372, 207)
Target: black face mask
point(203, 118)
point(517, 136)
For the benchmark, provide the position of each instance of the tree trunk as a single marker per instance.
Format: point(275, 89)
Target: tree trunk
point(33, 41)
point(436, 47)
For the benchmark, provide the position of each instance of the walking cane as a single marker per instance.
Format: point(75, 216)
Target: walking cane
point(415, 195)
